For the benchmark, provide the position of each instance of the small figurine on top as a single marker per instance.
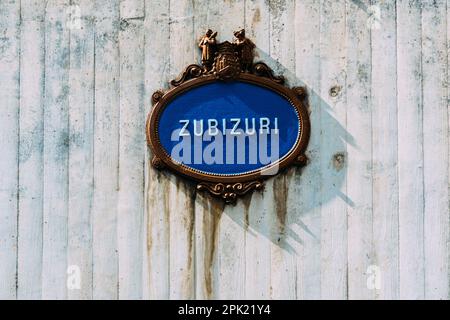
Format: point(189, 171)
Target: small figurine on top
point(208, 46)
point(245, 50)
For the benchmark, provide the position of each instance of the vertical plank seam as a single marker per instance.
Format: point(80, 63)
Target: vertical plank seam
point(117, 34)
point(270, 57)
point(448, 146)
point(193, 213)
point(397, 176)
point(245, 24)
point(44, 96)
point(396, 170)
point(319, 91)
point(244, 225)
point(422, 151)
point(346, 148)
point(91, 218)
point(19, 58)
point(143, 97)
point(69, 145)
point(168, 224)
point(319, 121)
point(287, 193)
point(373, 258)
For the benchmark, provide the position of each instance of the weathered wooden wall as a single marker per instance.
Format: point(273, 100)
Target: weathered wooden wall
point(77, 194)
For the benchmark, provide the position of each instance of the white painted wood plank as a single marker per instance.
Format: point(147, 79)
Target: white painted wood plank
point(448, 117)
point(56, 151)
point(283, 263)
point(333, 147)
point(258, 244)
point(181, 219)
point(208, 217)
point(29, 268)
point(106, 151)
point(359, 154)
point(257, 215)
point(283, 267)
point(306, 188)
point(230, 251)
point(81, 157)
point(157, 186)
point(435, 149)
point(410, 149)
point(384, 153)
point(131, 158)
point(181, 193)
point(9, 131)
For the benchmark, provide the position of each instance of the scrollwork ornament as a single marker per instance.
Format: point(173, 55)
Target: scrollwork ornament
point(229, 191)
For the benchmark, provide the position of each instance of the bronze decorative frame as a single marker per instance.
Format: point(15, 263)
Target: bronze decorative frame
point(232, 62)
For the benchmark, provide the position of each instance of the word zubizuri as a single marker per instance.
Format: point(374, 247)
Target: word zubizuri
point(233, 126)
point(226, 141)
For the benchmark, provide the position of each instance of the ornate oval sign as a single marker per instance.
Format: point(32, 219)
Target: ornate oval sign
point(228, 124)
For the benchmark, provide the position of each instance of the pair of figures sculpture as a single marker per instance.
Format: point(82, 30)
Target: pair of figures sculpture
point(242, 47)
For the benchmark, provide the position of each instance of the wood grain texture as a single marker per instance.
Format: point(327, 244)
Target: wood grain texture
point(283, 267)
point(410, 149)
point(106, 150)
point(256, 215)
point(9, 130)
point(157, 196)
point(359, 154)
point(83, 215)
point(32, 59)
point(333, 150)
point(228, 255)
point(181, 192)
point(131, 152)
point(385, 152)
point(306, 188)
point(56, 151)
point(81, 149)
point(435, 150)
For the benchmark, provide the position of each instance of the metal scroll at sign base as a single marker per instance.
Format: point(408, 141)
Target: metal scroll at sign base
point(228, 63)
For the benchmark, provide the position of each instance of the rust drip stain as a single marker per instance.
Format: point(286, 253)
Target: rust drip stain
point(154, 198)
point(150, 204)
point(256, 17)
point(189, 224)
point(280, 196)
point(246, 200)
point(211, 221)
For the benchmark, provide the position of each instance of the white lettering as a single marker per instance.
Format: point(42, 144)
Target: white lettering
point(183, 131)
point(236, 121)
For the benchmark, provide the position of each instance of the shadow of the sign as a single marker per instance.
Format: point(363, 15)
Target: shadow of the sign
point(296, 194)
